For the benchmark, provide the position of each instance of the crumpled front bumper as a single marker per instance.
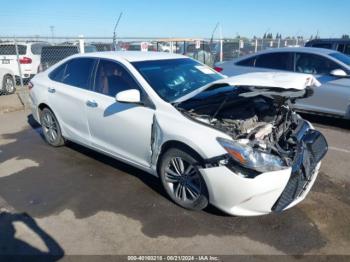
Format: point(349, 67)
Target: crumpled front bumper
point(267, 192)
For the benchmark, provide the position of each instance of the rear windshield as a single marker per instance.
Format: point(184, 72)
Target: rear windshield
point(36, 48)
point(11, 49)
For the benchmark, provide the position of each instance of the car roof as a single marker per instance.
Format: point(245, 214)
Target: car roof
point(328, 40)
point(301, 49)
point(311, 50)
point(133, 56)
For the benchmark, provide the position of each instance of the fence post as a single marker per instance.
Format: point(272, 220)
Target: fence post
point(81, 44)
point(19, 65)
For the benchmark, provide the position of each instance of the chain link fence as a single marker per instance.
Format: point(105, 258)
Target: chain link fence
point(23, 57)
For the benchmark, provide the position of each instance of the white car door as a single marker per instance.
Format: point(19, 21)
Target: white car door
point(67, 93)
point(121, 129)
point(333, 96)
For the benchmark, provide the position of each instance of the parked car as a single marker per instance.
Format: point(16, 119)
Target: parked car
point(330, 67)
point(7, 82)
point(341, 45)
point(232, 142)
point(29, 57)
point(202, 54)
point(51, 55)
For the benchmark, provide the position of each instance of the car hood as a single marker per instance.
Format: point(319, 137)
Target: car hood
point(283, 84)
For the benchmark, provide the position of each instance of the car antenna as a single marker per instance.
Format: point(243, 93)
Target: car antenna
point(114, 32)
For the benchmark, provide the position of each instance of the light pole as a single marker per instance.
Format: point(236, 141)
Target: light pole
point(114, 34)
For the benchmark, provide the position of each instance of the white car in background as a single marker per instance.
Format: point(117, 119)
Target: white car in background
point(7, 82)
point(29, 57)
point(232, 142)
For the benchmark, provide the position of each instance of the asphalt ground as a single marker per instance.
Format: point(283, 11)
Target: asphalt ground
point(71, 200)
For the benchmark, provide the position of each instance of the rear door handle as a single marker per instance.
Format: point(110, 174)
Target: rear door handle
point(91, 103)
point(51, 90)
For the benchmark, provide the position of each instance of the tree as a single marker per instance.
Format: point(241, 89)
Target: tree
point(345, 36)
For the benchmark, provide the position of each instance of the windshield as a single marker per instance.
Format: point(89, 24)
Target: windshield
point(342, 58)
point(174, 78)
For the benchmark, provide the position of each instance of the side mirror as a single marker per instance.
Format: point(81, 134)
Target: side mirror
point(339, 73)
point(129, 96)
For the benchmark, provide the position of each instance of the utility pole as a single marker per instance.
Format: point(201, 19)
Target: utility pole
point(114, 32)
point(52, 29)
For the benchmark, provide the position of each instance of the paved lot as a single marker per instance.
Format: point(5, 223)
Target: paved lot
point(84, 203)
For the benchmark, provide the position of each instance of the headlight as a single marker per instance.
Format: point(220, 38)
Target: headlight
point(252, 158)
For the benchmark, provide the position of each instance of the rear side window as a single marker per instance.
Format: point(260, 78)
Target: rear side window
point(247, 62)
point(58, 73)
point(78, 72)
point(323, 45)
point(347, 49)
point(11, 49)
point(279, 61)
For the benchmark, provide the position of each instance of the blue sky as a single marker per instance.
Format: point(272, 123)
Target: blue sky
point(175, 18)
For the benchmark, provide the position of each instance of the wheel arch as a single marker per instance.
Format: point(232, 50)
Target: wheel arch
point(179, 145)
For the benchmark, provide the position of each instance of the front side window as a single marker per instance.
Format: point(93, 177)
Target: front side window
point(112, 78)
point(279, 61)
point(323, 45)
point(174, 78)
point(78, 72)
point(314, 64)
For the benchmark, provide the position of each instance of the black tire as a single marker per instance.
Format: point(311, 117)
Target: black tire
point(184, 185)
point(8, 85)
point(51, 128)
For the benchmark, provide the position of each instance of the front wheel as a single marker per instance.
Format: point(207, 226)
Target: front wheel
point(51, 128)
point(182, 180)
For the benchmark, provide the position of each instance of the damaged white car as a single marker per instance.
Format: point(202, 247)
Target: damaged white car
point(232, 142)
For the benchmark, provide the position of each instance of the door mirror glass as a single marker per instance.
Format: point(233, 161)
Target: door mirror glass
point(129, 96)
point(339, 73)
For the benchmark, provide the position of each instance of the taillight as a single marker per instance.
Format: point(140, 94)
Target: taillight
point(25, 60)
point(218, 69)
point(30, 85)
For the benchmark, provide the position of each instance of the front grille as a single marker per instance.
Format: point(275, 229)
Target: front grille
point(312, 148)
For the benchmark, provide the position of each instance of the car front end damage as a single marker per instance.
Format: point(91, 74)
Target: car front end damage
point(273, 156)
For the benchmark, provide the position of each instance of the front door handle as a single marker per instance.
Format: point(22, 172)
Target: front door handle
point(91, 103)
point(51, 90)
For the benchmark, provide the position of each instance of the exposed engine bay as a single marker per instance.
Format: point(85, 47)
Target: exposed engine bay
point(261, 119)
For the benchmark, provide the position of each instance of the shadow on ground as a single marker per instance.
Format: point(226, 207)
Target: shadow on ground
point(86, 182)
point(12, 248)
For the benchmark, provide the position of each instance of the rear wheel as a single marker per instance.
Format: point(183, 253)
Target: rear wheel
point(51, 128)
point(8, 85)
point(182, 180)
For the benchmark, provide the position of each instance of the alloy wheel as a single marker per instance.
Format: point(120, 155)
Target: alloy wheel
point(50, 127)
point(183, 180)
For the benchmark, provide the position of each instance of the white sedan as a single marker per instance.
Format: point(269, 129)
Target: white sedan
point(232, 142)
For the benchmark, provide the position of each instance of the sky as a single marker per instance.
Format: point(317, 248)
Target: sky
point(175, 18)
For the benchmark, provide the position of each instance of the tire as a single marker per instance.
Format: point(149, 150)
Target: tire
point(51, 128)
point(8, 85)
point(182, 180)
